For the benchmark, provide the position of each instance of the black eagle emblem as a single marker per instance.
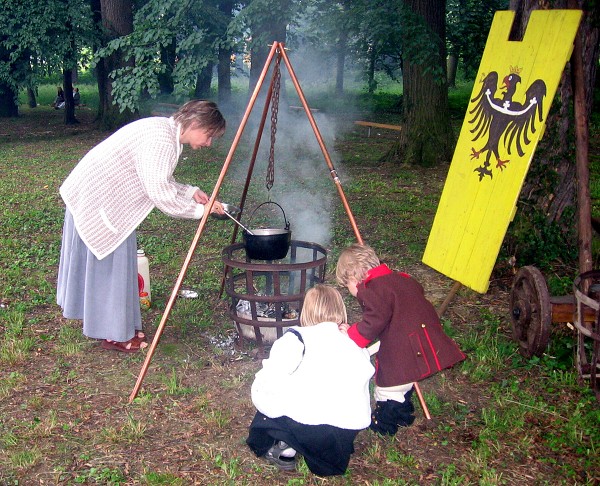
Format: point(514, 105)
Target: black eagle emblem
point(503, 119)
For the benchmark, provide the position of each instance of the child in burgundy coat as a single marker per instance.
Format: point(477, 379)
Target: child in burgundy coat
point(413, 344)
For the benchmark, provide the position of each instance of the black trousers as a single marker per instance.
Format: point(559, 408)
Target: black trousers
point(326, 449)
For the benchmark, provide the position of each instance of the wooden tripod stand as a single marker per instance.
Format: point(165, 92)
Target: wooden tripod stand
point(277, 53)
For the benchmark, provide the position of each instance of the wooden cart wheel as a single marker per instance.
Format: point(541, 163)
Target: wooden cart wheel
point(531, 311)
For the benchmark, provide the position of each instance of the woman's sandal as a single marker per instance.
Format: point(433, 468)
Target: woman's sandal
point(134, 344)
point(140, 338)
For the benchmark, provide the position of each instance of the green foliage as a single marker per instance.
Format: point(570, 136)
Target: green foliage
point(195, 26)
point(42, 37)
point(421, 45)
point(467, 26)
point(491, 414)
point(534, 241)
point(103, 475)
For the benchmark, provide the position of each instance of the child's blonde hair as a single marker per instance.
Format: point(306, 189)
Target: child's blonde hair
point(323, 303)
point(354, 263)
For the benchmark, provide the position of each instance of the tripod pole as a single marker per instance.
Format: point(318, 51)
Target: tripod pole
point(207, 209)
point(313, 124)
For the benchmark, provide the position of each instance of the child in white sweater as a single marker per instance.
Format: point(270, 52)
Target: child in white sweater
point(312, 393)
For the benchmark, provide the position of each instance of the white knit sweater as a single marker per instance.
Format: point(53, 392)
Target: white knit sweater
point(114, 187)
point(329, 385)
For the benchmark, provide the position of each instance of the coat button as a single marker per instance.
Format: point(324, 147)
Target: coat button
point(418, 353)
point(422, 325)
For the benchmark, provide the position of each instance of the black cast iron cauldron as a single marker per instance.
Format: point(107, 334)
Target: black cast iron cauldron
point(268, 243)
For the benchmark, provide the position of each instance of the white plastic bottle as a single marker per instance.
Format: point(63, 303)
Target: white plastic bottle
point(143, 279)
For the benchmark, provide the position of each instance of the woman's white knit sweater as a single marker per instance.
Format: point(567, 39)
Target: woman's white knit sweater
point(329, 385)
point(114, 187)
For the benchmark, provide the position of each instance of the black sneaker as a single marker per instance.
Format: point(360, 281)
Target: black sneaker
point(274, 456)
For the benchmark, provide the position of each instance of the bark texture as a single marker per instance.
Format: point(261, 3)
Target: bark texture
point(8, 96)
point(116, 20)
point(427, 137)
point(551, 184)
point(224, 63)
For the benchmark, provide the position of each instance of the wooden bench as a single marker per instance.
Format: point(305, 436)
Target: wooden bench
point(301, 108)
point(164, 109)
point(370, 125)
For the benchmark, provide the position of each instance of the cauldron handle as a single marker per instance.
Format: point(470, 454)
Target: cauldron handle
point(287, 223)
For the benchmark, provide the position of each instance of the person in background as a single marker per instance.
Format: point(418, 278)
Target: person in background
point(107, 195)
point(59, 101)
point(76, 97)
point(312, 393)
point(413, 344)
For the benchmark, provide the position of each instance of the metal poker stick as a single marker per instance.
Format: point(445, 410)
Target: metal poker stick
point(338, 184)
point(199, 231)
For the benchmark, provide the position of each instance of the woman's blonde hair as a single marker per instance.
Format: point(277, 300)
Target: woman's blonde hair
point(323, 303)
point(354, 263)
point(201, 114)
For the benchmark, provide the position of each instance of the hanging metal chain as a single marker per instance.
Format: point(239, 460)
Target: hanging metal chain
point(274, 111)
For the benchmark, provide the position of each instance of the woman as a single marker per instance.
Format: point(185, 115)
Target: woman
point(107, 195)
point(59, 101)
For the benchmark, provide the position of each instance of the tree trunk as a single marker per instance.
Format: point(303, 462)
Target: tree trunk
point(8, 106)
point(551, 183)
point(203, 82)
point(225, 53)
point(31, 98)
point(274, 31)
point(452, 66)
point(224, 75)
point(427, 137)
point(117, 21)
point(341, 63)
point(258, 56)
point(167, 58)
point(8, 97)
point(371, 83)
point(69, 103)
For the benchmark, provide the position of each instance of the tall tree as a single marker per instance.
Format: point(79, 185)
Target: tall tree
point(266, 21)
point(116, 20)
point(467, 27)
point(199, 29)
point(331, 28)
point(427, 137)
point(49, 34)
point(225, 52)
point(550, 188)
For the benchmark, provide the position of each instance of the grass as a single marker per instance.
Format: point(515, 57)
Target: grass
point(64, 416)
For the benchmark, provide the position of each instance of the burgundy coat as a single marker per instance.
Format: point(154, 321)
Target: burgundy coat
point(413, 344)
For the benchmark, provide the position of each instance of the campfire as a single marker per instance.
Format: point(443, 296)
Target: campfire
point(267, 295)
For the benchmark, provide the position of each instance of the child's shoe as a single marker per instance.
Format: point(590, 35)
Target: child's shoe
point(390, 414)
point(282, 455)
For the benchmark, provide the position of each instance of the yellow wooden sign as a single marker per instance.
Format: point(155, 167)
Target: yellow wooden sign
point(505, 119)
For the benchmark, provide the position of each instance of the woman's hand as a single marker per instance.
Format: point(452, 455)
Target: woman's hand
point(200, 197)
point(217, 208)
point(344, 328)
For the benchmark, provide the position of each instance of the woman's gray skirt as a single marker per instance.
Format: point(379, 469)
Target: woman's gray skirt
point(104, 293)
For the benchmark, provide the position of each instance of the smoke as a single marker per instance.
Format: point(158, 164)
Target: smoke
point(302, 182)
point(303, 185)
